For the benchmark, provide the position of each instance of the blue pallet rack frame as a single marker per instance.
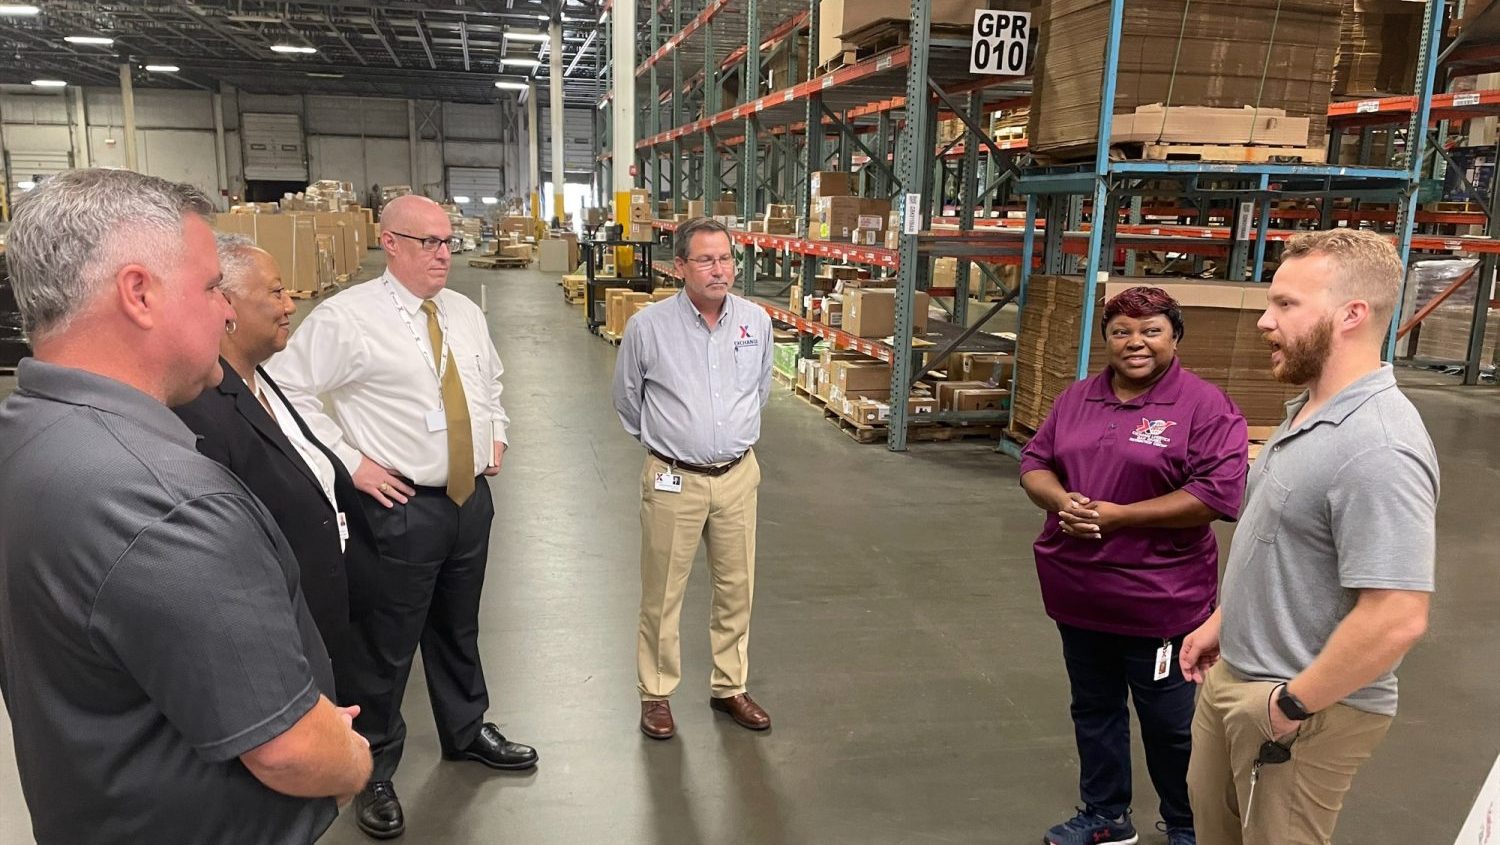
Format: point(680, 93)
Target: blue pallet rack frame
point(1098, 180)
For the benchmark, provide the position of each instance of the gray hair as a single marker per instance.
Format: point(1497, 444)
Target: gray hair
point(697, 226)
point(75, 230)
point(236, 261)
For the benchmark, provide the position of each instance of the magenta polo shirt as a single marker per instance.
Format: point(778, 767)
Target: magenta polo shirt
point(1182, 434)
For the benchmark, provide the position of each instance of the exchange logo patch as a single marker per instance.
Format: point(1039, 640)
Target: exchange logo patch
point(1150, 432)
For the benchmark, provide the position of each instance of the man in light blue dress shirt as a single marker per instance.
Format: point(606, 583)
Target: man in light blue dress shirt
point(693, 374)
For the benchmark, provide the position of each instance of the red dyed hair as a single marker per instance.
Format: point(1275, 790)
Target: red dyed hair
point(1142, 302)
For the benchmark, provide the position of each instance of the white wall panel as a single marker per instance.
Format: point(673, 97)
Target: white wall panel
point(356, 116)
point(270, 103)
point(474, 154)
point(471, 122)
point(25, 137)
point(154, 108)
point(34, 108)
point(387, 162)
point(182, 156)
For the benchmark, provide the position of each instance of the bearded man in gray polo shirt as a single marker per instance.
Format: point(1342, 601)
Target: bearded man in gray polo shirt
point(1332, 566)
point(163, 675)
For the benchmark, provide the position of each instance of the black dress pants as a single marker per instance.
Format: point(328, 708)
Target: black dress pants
point(1102, 669)
point(422, 592)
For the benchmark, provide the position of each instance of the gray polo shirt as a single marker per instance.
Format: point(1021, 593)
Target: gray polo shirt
point(689, 392)
point(1344, 502)
point(151, 625)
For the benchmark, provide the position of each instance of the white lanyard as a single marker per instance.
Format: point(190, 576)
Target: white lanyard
point(424, 347)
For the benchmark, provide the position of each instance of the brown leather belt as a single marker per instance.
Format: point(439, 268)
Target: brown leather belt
point(712, 472)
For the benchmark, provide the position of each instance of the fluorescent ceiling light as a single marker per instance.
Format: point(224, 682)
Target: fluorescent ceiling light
point(162, 68)
point(522, 62)
point(317, 75)
point(489, 200)
point(26, 186)
point(292, 48)
point(461, 200)
point(538, 37)
point(49, 83)
point(11, 10)
point(92, 40)
point(255, 18)
point(511, 86)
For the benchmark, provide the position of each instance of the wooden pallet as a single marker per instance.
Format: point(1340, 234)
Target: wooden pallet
point(1020, 432)
point(314, 294)
point(1226, 152)
point(916, 432)
point(610, 337)
point(500, 262)
point(808, 396)
point(575, 299)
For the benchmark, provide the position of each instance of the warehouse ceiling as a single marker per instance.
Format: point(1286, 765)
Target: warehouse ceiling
point(437, 49)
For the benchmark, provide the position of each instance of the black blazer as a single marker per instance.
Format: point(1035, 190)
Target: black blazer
point(234, 429)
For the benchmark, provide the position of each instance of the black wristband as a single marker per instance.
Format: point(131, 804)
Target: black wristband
point(1291, 706)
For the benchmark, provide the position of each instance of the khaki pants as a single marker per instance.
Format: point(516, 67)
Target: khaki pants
point(720, 511)
point(1296, 802)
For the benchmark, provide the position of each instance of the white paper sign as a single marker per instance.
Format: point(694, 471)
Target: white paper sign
point(1000, 42)
point(1483, 825)
point(911, 215)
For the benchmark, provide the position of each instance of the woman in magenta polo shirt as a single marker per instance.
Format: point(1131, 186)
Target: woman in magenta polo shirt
point(1133, 466)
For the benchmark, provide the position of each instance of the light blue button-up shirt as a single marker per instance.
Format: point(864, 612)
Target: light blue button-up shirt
point(689, 392)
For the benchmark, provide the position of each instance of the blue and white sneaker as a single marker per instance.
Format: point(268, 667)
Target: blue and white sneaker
point(1090, 828)
point(1178, 835)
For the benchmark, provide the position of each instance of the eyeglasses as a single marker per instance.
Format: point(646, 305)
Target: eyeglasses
point(705, 262)
point(430, 244)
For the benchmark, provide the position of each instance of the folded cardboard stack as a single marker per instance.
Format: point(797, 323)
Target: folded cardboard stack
point(840, 19)
point(1217, 53)
point(1221, 343)
point(1378, 42)
point(292, 238)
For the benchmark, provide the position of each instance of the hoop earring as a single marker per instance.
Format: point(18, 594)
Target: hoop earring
point(230, 327)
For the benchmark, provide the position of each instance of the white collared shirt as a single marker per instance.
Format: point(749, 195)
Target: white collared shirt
point(316, 461)
point(357, 372)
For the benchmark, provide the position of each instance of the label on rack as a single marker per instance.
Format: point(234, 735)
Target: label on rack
point(911, 214)
point(1461, 100)
point(1242, 231)
point(883, 64)
point(1367, 107)
point(1000, 42)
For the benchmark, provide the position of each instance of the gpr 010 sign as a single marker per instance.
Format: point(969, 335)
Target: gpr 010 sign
point(1000, 42)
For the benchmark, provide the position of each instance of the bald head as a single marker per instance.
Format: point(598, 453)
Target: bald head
point(414, 232)
point(403, 213)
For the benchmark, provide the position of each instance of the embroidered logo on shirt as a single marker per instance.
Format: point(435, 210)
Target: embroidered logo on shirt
point(746, 339)
point(1150, 433)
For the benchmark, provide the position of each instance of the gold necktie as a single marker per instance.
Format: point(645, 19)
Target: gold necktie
point(456, 413)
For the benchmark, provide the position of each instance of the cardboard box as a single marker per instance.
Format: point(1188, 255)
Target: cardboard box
point(992, 367)
point(695, 209)
point(980, 399)
point(553, 256)
point(837, 18)
point(1378, 48)
point(828, 183)
point(852, 377)
point(794, 299)
point(1153, 124)
point(867, 410)
point(640, 204)
point(290, 238)
point(872, 313)
point(947, 392)
point(833, 313)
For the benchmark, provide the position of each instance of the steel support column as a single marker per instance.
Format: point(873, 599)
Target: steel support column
point(911, 161)
point(750, 88)
point(127, 102)
point(1416, 139)
point(555, 111)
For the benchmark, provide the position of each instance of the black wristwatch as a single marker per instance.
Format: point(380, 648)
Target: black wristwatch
point(1291, 706)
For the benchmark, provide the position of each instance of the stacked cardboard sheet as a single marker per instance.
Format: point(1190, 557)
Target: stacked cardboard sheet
point(1378, 43)
point(1268, 53)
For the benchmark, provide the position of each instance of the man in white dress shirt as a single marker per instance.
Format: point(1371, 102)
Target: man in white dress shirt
point(399, 377)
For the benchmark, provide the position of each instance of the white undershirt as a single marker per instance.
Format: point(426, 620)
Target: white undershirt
point(318, 462)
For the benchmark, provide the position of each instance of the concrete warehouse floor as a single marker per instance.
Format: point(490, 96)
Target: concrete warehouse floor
point(916, 687)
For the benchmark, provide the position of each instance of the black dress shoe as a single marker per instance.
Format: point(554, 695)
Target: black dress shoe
point(378, 812)
point(494, 750)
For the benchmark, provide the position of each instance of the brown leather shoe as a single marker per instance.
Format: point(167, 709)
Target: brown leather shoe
point(656, 720)
point(743, 710)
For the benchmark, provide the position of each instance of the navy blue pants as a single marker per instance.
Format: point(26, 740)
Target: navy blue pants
point(1102, 669)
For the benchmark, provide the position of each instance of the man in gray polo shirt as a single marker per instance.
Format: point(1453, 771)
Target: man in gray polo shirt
point(164, 678)
point(693, 374)
point(1332, 565)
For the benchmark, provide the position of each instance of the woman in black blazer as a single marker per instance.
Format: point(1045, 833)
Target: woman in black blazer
point(247, 425)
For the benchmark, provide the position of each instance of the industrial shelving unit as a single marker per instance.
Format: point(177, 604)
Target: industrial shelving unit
point(877, 118)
